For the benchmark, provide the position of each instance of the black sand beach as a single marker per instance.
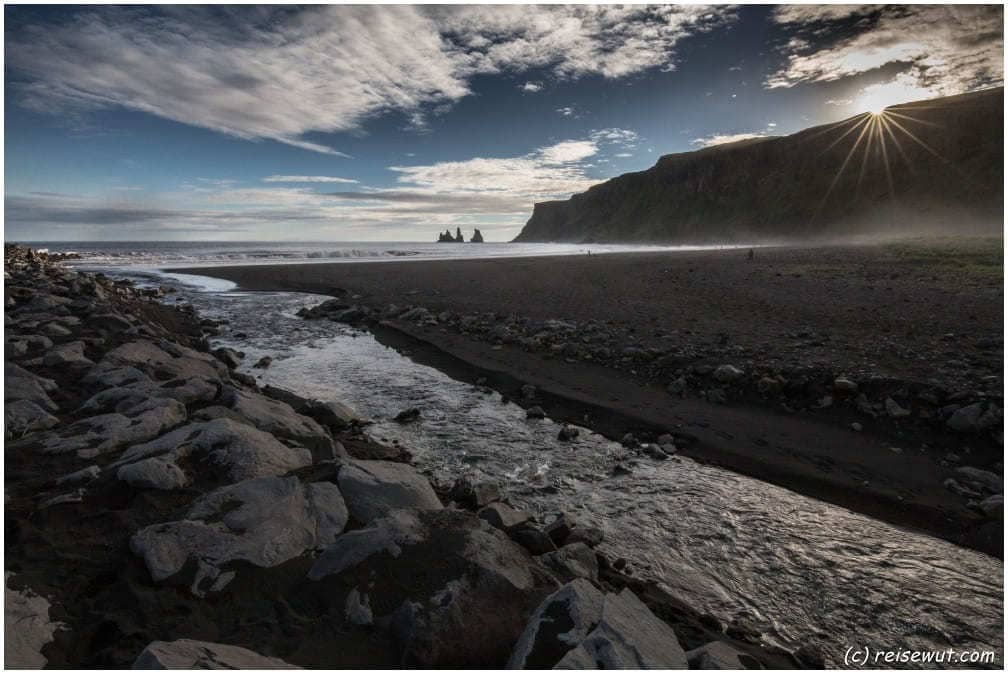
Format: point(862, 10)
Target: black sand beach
point(847, 363)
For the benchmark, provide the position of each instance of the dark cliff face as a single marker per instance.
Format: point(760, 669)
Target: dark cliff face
point(930, 166)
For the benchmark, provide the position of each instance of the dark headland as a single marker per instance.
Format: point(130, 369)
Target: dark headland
point(925, 167)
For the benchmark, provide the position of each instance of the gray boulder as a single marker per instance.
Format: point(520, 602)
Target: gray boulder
point(720, 655)
point(20, 384)
point(278, 418)
point(372, 489)
point(67, 355)
point(561, 622)
point(105, 433)
point(728, 374)
point(503, 516)
point(230, 451)
point(24, 416)
point(190, 654)
point(980, 479)
point(27, 628)
point(165, 361)
point(572, 561)
point(974, 418)
point(264, 521)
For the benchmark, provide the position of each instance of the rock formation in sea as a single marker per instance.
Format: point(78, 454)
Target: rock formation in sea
point(164, 510)
point(477, 237)
point(940, 171)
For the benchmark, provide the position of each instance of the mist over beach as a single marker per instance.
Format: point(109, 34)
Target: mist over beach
point(525, 336)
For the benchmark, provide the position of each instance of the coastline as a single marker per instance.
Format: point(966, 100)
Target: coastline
point(892, 469)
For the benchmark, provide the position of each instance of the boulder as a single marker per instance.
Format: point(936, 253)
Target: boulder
point(191, 654)
point(105, 433)
point(222, 449)
point(720, 655)
point(19, 384)
point(27, 628)
point(503, 516)
point(332, 414)
point(842, 386)
point(165, 360)
point(727, 374)
point(229, 357)
point(974, 418)
point(475, 494)
point(993, 507)
point(463, 588)
point(24, 416)
point(278, 418)
point(535, 412)
point(980, 479)
point(372, 489)
point(69, 355)
point(561, 622)
point(264, 521)
point(628, 636)
point(572, 561)
point(532, 538)
point(407, 416)
point(894, 410)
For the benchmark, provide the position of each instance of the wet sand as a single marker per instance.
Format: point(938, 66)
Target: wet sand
point(918, 311)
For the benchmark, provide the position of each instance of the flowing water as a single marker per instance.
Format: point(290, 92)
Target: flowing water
point(804, 571)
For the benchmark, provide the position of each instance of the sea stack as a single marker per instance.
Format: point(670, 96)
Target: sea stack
point(458, 235)
point(477, 237)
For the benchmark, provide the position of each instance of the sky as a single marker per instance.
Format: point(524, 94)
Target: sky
point(395, 122)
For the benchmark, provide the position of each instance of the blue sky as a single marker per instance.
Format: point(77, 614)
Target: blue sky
point(395, 122)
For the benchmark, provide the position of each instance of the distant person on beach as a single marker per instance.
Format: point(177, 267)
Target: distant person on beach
point(751, 255)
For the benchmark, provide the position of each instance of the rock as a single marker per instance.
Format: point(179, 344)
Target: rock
point(628, 636)
point(578, 627)
point(164, 361)
point(69, 355)
point(561, 622)
point(535, 412)
point(264, 521)
point(229, 357)
point(332, 414)
point(503, 516)
point(528, 392)
point(768, 385)
point(979, 479)
point(24, 416)
point(83, 475)
point(587, 534)
point(894, 410)
point(19, 384)
point(856, 426)
point(475, 494)
point(532, 538)
point(727, 374)
point(407, 416)
point(75, 496)
point(118, 398)
point(278, 418)
point(575, 560)
point(677, 386)
point(974, 418)
point(654, 451)
point(720, 655)
point(629, 440)
point(993, 507)
point(374, 488)
point(191, 654)
point(358, 610)
point(842, 387)
point(263, 363)
point(105, 433)
point(560, 528)
point(224, 449)
point(27, 628)
point(568, 433)
point(470, 604)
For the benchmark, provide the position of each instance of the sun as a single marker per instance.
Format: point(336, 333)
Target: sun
point(876, 98)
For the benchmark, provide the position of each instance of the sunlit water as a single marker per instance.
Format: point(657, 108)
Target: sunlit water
point(805, 571)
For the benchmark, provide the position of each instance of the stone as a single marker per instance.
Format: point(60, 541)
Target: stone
point(263, 521)
point(226, 449)
point(532, 538)
point(27, 628)
point(476, 587)
point(628, 636)
point(19, 384)
point(894, 410)
point(372, 489)
point(561, 622)
point(629, 440)
point(83, 475)
point(979, 479)
point(720, 655)
point(24, 416)
point(993, 507)
point(560, 528)
point(575, 560)
point(535, 412)
point(843, 387)
point(263, 363)
point(230, 357)
point(568, 433)
point(358, 609)
point(69, 355)
point(503, 516)
point(727, 374)
point(974, 418)
point(105, 433)
point(164, 361)
point(191, 654)
point(475, 494)
point(407, 416)
point(278, 418)
point(587, 534)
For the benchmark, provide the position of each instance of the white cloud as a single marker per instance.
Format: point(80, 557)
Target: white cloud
point(945, 49)
point(532, 87)
point(282, 73)
point(307, 179)
point(566, 112)
point(722, 138)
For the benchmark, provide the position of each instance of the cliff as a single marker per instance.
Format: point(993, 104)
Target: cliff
point(929, 166)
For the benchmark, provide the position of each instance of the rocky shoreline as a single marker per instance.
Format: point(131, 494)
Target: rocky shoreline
point(164, 511)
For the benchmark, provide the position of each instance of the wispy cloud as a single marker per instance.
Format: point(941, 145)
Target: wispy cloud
point(722, 138)
point(308, 179)
point(282, 73)
point(944, 49)
point(532, 87)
